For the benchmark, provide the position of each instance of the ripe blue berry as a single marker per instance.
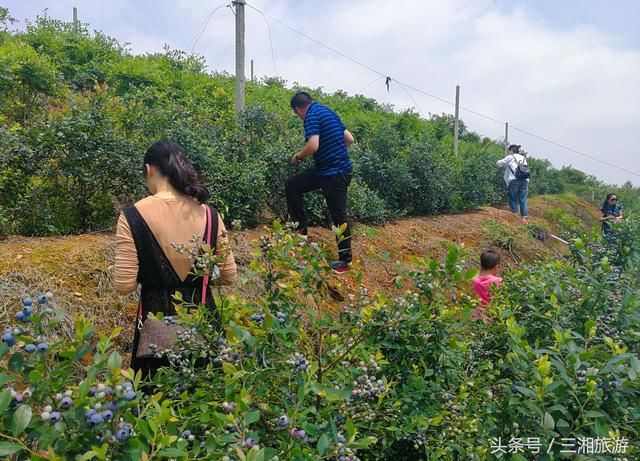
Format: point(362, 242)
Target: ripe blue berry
point(89, 413)
point(123, 434)
point(21, 316)
point(129, 396)
point(9, 339)
point(186, 433)
point(96, 419)
point(283, 421)
point(30, 348)
point(107, 415)
point(26, 301)
point(42, 347)
point(27, 310)
point(249, 443)
point(66, 403)
point(55, 417)
point(42, 299)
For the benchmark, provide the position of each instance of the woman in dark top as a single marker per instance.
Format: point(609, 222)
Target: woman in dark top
point(147, 232)
point(611, 213)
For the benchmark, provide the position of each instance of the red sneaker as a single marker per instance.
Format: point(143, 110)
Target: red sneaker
point(340, 267)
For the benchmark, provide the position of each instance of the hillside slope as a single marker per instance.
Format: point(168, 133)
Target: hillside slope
point(78, 269)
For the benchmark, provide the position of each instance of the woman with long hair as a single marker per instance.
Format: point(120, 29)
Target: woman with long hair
point(611, 213)
point(147, 235)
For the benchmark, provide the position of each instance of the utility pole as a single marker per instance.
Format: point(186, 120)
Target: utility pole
point(455, 122)
point(252, 71)
point(239, 7)
point(75, 16)
point(506, 138)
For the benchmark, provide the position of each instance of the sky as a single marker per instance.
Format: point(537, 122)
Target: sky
point(563, 70)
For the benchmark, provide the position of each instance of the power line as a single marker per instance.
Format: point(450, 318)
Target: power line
point(403, 84)
point(273, 59)
point(196, 37)
point(572, 150)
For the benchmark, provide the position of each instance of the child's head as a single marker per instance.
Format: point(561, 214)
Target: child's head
point(490, 260)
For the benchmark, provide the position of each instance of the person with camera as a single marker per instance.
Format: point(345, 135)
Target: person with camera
point(516, 175)
point(326, 140)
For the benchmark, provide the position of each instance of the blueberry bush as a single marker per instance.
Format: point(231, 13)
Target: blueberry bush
point(297, 373)
point(78, 110)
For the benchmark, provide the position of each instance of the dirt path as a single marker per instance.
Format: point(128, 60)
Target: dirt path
point(78, 269)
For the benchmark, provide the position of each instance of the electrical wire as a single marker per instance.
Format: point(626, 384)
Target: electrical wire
point(273, 58)
point(404, 84)
point(205, 23)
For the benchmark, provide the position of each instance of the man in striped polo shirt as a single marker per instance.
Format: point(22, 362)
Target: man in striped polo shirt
point(326, 140)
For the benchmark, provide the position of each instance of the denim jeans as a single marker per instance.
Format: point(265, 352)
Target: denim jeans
point(518, 190)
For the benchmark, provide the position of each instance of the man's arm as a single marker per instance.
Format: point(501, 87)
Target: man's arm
point(348, 138)
point(308, 150)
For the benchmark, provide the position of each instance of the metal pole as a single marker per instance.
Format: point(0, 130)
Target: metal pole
point(75, 16)
point(506, 138)
point(252, 71)
point(239, 6)
point(455, 122)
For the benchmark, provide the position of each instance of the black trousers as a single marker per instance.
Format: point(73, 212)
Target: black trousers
point(334, 189)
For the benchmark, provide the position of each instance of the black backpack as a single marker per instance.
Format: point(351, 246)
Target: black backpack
point(522, 170)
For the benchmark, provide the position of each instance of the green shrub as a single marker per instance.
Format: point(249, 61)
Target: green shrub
point(365, 205)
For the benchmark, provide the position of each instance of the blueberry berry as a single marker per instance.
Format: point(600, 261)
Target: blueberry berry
point(55, 417)
point(123, 435)
point(8, 338)
point(27, 301)
point(30, 348)
point(42, 347)
point(107, 415)
point(283, 421)
point(42, 299)
point(66, 403)
point(96, 419)
point(22, 317)
point(129, 396)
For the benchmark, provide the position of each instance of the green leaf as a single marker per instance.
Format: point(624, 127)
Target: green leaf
point(547, 421)
point(594, 414)
point(252, 417)
point(9, 448)
point(5, 400)
point(115, 361)
point(4, 378)
point(88, 455)
point(526, 391)
point(323, 444)
point(563, 427)
point(172, 453)
point(601, 428)
point(21, 419)
point(35, 376)
point(351, 430)
point(15, 362)
point(4, 348)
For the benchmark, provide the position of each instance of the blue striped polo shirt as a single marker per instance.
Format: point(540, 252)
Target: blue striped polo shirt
point(332, 157)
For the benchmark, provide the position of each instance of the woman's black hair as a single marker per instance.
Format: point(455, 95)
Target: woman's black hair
point(515, 148)
point(605, 204)
point(170, 160)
